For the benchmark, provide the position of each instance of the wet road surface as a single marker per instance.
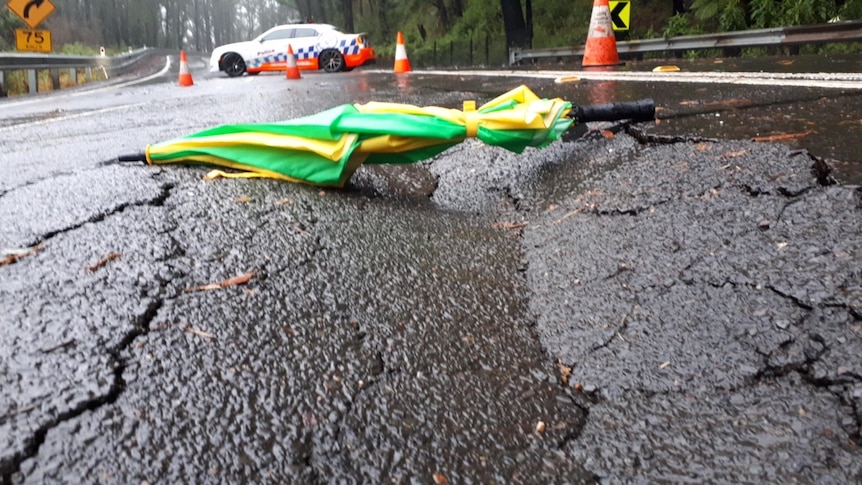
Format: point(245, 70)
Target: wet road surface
point(621, 306)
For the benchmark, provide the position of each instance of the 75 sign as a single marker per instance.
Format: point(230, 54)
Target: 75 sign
point(33, 40)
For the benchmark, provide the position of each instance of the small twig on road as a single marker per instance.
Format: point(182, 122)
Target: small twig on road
point(236, 280)
point(780, 137)
point(107, 259)
point(199, 333)
point(17, 411)
point(63, 345)
point(11, 256)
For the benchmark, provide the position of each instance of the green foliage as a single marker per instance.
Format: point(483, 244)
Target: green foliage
point(680, 24)
point(754, 52)
point(851, 10)
point(78, 49)
point(744, 14)
point(480, 18)
point(732, 17)
point(561, 23)
point(707, 9)
point(842, 48)
point(763, 12)
point(8, 23)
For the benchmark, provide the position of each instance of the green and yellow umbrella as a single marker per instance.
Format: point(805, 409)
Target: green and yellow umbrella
point(326, 148)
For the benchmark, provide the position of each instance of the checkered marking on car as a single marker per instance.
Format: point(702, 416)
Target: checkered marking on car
point(259, 61)
point(347, 47)
point(305, 53)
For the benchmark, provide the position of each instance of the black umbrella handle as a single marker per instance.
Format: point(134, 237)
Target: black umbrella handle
point(127, 158)
point(133, 157)
point(642, 110)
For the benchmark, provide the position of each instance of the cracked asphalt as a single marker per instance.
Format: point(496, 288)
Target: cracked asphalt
point(622, 306)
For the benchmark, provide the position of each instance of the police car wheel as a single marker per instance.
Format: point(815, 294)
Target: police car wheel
point(331, 61)
point(233, 64)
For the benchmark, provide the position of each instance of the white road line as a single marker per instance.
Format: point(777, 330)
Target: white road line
point(818, 80)
point(85, 92)
point(70, 117)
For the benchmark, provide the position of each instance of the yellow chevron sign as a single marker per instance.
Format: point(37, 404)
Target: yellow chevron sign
point(32, 12)
point(621, 12)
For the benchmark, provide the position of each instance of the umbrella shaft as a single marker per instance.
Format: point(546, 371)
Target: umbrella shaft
point(132, 157)
point(642, 110)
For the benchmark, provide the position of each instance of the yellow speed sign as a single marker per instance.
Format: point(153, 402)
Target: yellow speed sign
point(33, 40)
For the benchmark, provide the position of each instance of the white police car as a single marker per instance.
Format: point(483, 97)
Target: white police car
point(315, 46)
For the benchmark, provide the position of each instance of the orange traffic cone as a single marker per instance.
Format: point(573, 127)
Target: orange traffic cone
point(601, 48)
point(292, 70)
point(185, 75)
point(402, 64)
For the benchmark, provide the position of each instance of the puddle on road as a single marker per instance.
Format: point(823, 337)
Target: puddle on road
point(827, 123)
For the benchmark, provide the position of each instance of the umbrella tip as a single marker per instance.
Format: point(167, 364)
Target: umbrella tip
point(132, 157)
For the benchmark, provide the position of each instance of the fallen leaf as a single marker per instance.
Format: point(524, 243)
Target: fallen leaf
point(702, 147)
point(12, 256)
point(779, 137)
point(785, 62)
point(107, 259)
point(321, 193)
point(440, 478)
point(565, 372)
point(236, 280)
point(608, 134)
point(728, 102)
point(567, 215)
point(540, 427)
point(735, 154)
point(509, 225)
point(213, 174)
point(284, 201)
point(242, 199)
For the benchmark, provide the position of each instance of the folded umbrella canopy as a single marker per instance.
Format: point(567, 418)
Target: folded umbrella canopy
point(326, 148)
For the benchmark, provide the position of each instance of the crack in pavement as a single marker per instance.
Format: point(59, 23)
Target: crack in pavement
point(10, 467)
point(805, 352)
point(157, 201)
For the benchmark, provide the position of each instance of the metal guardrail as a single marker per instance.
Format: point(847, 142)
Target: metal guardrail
point(846, 31)
point(33, 63)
